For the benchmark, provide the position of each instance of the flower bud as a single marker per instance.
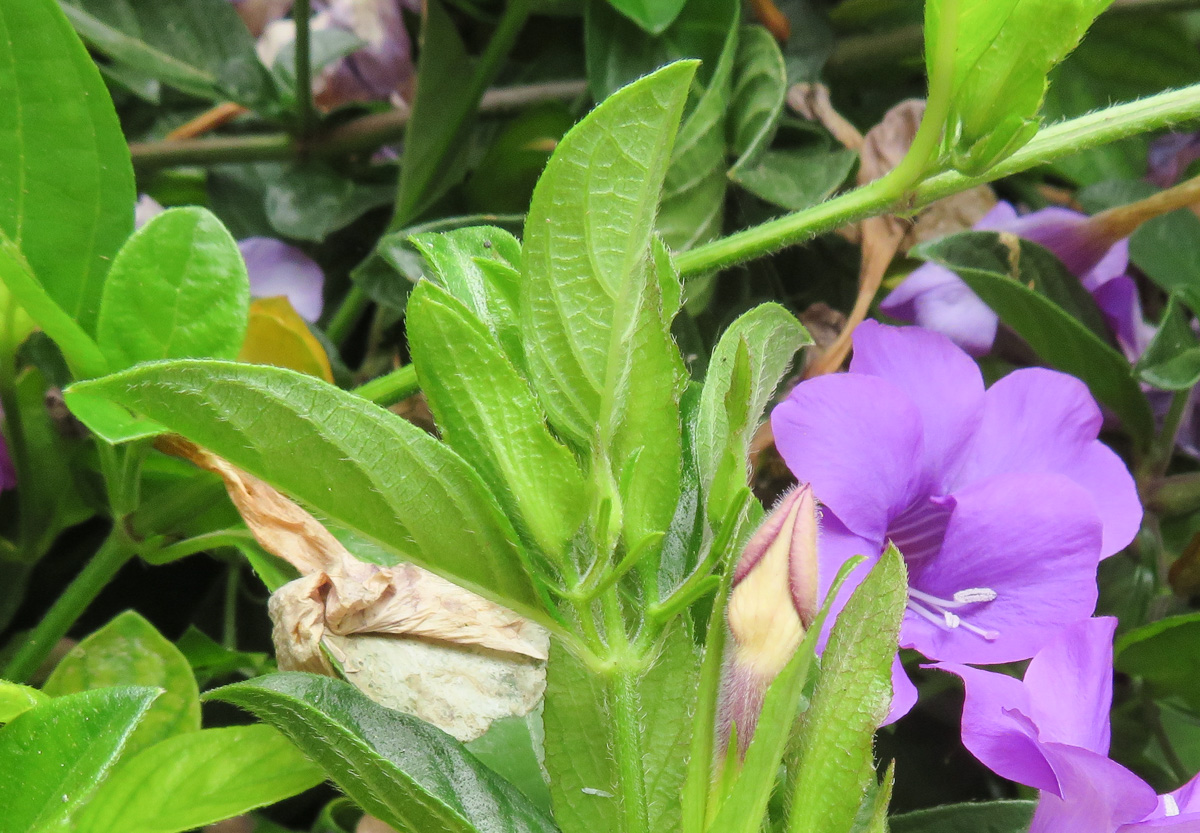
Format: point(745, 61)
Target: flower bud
point(771, 605)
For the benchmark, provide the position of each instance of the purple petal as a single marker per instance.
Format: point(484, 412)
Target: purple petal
point(1078, 243)
point(1032, 539)
point(1070, 686)
point(838, 432)
point(147, 209)
point(381, 68)
point(8, 472)
point(1118, 300)
point(904, 693)
point(997, 731)
point(935, 298)
point(1189, 823)
point(1038, 420)
point(276, 268)
point(1170, 156)
point(942, 380)
point(1096, 795)
point(835, 546)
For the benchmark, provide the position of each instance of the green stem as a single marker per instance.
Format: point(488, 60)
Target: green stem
point(627, 726)
point(390, 388)
point(1050, 144)
point(1153, 716)
point(306, 111)
point(233, 580)
point(347, 315)
point(199, 543)
point(113, 554)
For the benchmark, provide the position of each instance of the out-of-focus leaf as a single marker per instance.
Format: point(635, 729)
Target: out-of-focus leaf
point(759, 87)
point(618, 52)
point(980, 817)
point(1166, 654)
point(211, 660)
point(278, 336)
point(851, 699)
point(584, 245)
point(355, 463)
point(1004, 51)
point(64, 164)
point(394, 766)
point(512, 747)
point(581, 743)
point(441, 114)
point(1122, 58)
point(130, 651)
point(177, 290)
point(196, 779)
point(200, 47)
point(1172, 359)
point(56, 754)
point(986, 263)
point(795, 178)
point(506, 175)
point(488, 414)
point(311, 201)
point(16, 699)
point(747, 365)
point(1167, 249)
point(654, 16)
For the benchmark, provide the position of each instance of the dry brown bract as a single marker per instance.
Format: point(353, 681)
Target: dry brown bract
point(407, 638)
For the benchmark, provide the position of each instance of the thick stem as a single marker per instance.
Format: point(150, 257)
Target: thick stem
point(113, 554)
point(1050, 144)
point(305, 110)
point(627, 723)
point(390, 388)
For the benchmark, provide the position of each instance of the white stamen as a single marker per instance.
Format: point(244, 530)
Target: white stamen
point(1171, 805)
point(925, 604)
point(974, 595)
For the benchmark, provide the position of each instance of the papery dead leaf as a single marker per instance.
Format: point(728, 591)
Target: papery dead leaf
point(407, 638)
point(812, 102)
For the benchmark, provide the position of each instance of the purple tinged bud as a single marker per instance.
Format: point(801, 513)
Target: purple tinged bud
point(773, 602)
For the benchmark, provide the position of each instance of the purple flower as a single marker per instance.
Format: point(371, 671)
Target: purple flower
point(1001, 501)
point(8, 472)
point(937, 299)
point(1051, 731)
point(276, 268)
point(1169, 157)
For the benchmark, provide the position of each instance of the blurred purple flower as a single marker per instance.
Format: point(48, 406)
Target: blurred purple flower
point(937, 299)
point(275, 268)
point(1051, 731)
point(381, 70)
point(8, 472)
point(1170, 156)
point(1002, 501)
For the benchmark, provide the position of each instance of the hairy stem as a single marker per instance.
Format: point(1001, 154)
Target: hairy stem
point(113, 554)
point(390, 388)
point(627, 720)
point(1051, 143)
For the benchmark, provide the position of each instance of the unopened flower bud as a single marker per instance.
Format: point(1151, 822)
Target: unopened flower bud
point(771, 605)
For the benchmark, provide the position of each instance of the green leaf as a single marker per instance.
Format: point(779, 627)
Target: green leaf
point(396, 767)
point(196, 779)
point(1166, 654)
point(654, 16)
point(747, 365)
point(16, 699)
point(78, 348)
point(479, 265)
point(692, 208)
point(581, 737)
point(585, 242)
point(1124, 57)
point(1167, 250)
point(795, 178)
point(1004, 51)
point(852, 697)
point(211, 660)
point(986, 263)
point(312, 200)
point(357, 464)
point(1172, 359)
point(129, 651)
point(981, 817)
point(488, 414)
point(178, 289)
point(63, 162)
point(441, 113)
point(512, 748)
point(57, 753)
point(200, 47)
point(759, 87)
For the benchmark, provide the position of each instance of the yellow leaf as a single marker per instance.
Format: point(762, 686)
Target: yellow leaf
point(278, 336)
